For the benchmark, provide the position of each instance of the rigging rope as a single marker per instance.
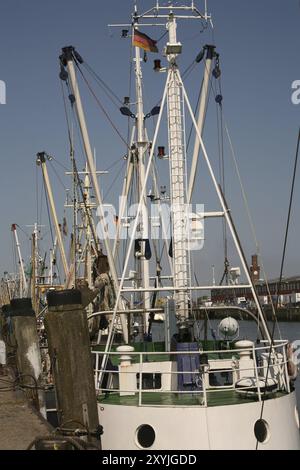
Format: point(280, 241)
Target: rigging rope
point(57, 176)
point(101, 106)
point(222, 178)
point(87, 211)
point(107, 90)
point(79, 182)
point(281, 274)
point(247, 209)
point(195, 112)
point(114, 180)
point(252, 227)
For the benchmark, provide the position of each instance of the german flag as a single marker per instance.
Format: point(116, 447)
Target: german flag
point(144, 42)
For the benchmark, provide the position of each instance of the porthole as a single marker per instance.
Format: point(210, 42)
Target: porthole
point(145, 436)
point(261, 431)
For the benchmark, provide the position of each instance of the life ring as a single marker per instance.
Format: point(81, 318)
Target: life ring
point(291, 366)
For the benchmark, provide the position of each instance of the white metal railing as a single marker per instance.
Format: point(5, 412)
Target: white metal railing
point(276, 368)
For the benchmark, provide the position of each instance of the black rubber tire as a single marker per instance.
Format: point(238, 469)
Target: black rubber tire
point(6, 310)
point(64, 297)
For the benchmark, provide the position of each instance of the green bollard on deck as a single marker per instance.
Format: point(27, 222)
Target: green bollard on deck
point(70, 353)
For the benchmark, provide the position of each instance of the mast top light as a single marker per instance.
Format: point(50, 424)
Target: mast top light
point(173, 48)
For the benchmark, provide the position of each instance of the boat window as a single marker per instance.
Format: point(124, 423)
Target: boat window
point(145, 435)
point(261, 430)
point(149, 381)
point(219, 378)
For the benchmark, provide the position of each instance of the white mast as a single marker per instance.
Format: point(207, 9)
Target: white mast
point(88, 230)
point(201, 117)
point(142, 147)
point(68, 59)
point(177, 159)
point(124, 195)
point(41, 160)
point(23, 280)
point(35, 262)
point(51, 261)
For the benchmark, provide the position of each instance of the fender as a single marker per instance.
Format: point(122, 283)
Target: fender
point(291, 366)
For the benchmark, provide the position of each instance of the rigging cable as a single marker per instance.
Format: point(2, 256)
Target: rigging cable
point(22, 230)
point(87, 211)
point(281, 275)
point(114, 180)
point(57, 175)
point(101, 106)
point(195, 112)
point(251, 223)
point(222, 178)
point(106, 89)
point(184, 75)
point(248, 212)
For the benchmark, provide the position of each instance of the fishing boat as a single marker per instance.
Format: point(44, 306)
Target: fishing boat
point(162, 381)
point(166, 386)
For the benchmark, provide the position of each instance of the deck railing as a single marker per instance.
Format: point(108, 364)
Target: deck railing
point(275, 366)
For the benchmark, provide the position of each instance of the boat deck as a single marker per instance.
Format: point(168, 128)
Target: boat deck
point(214, 398)
point(159, 347)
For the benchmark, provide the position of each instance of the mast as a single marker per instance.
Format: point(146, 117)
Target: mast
point(142, 145)
point(23, 281)
point(51, 261)
point(67, 59)
point(88, 231)
point(177, 161)
point(124, 195)
point(34, 268)
point(41, 160)
point(210, 51)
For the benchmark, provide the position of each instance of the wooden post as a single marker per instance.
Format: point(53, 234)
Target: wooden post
point(33, 273)
point(70, 353)
point(2, 323)
point(29, 363)
point(8, 335)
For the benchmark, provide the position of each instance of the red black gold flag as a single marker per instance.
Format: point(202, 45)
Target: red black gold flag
point(144, 42)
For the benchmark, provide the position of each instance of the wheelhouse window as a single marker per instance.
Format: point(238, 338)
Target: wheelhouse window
point(149, 381)
point(219, 378)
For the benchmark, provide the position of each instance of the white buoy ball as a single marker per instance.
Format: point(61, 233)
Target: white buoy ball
point(229, 327)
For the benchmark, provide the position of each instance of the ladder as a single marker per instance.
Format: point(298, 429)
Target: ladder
point(178, 185)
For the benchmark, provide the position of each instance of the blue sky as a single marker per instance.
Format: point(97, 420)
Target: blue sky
point(259, 45)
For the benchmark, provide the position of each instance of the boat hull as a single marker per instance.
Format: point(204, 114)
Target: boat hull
point(199, 428)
